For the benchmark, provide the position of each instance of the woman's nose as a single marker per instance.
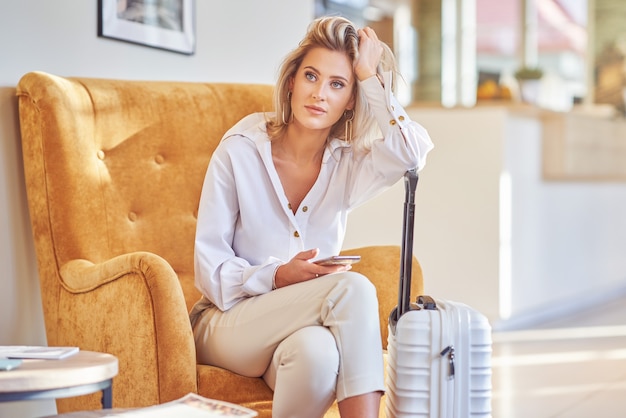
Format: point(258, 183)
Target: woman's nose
point(319, 94)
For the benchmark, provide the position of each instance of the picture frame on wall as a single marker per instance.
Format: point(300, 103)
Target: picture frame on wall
point(162, 24)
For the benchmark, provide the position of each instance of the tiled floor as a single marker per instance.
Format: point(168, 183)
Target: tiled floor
point(572, 368)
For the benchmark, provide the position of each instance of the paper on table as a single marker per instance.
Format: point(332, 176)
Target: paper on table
point(190, 406)
point(36, 352)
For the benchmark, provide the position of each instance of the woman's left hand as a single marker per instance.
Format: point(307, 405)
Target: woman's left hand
point(370, 53)
point(300, 269)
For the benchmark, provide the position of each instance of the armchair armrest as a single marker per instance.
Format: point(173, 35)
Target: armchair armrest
point(131, 306)
point(381, 264)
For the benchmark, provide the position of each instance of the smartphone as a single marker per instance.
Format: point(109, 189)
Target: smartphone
point(339, 259)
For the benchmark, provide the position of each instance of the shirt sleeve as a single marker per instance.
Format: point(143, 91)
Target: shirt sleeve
point(222, 277)
point(403, 145)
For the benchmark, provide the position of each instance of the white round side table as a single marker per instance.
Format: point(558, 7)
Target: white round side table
point(84, 372)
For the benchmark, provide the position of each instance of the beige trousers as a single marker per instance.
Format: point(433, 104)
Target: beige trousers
point(312, 342)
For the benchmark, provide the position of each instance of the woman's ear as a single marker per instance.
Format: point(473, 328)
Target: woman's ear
point(351, 104)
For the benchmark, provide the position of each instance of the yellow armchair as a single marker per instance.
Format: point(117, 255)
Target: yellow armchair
point(113, 173)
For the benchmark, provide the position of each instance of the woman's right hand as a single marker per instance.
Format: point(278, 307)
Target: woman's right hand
point(370, 54)
point(300, 269)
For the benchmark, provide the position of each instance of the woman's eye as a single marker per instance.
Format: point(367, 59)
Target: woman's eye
point(337, 84)
point(310, 76)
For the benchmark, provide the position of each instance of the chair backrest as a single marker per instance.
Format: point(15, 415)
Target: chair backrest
point(113, 167)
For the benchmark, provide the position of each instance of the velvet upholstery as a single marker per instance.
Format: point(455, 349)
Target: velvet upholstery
point(113, 172)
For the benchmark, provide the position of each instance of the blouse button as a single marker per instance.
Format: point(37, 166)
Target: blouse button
point(305, 208)
point(296, 234)
point(392, 122)
point(289, 205)
point(401, 118)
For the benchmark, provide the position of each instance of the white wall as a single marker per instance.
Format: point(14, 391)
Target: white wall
point(568, 237)
point(565, 240)
point(237, 40)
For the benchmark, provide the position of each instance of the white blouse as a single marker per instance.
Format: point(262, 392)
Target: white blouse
point(246, 228)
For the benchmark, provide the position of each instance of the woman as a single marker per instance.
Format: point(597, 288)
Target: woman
point(276, 198)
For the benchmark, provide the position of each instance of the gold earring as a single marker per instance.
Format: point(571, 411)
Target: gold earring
point(287, 102)
point(349, 119)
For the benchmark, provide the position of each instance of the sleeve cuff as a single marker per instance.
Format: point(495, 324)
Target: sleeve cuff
point(274, 276)
point(385, 107)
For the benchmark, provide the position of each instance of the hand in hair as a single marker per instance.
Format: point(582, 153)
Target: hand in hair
point(370, 54)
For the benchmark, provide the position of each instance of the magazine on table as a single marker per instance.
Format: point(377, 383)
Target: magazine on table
point(190, 406)
point(36, 352)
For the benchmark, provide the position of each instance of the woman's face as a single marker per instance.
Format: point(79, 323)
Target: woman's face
point(322, 89)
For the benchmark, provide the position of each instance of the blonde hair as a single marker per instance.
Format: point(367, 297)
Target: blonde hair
point(336, 34)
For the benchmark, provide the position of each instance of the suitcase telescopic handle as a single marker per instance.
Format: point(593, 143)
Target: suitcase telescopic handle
point(406, 256)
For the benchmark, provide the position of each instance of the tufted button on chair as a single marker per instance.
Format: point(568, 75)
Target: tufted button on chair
point(113, 173)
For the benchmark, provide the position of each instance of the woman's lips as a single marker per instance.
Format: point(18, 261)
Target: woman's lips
point(315, 109)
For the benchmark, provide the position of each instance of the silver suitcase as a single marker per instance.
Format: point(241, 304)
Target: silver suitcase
point(439, 352)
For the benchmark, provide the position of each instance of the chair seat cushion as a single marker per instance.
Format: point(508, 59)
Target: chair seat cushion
point(251, 392)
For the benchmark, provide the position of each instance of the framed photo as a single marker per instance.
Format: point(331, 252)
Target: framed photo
point(163, 24)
